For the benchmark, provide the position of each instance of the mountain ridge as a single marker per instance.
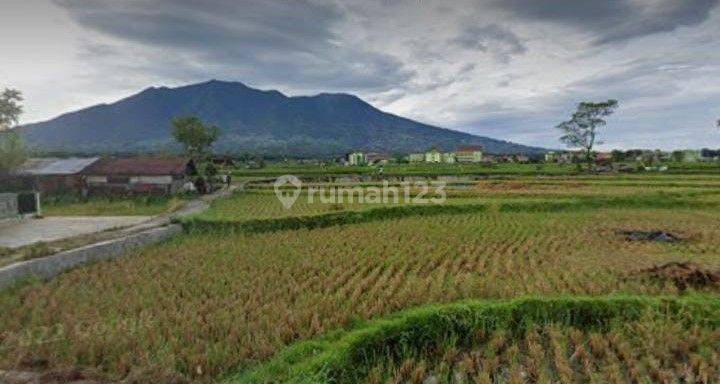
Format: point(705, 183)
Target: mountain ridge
point(251, 121)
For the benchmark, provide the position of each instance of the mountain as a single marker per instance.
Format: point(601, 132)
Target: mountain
point(252, 121)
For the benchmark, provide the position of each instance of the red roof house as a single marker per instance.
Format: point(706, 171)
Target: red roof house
point(138, 175)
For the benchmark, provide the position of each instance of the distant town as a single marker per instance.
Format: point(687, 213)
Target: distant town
point(475, 154)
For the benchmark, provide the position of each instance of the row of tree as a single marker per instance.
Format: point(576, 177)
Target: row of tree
point(582, 129)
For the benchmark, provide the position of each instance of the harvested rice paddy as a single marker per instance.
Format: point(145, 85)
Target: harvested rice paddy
point(210, 304)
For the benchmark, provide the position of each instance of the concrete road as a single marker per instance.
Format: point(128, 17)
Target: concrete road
point(18, 233)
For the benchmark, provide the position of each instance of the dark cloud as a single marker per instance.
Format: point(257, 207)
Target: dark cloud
point(291, 43)
point(614, 20)
point(491, 38)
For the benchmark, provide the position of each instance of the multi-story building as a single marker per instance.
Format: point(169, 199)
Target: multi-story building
point(356, 158)
point(469, 154)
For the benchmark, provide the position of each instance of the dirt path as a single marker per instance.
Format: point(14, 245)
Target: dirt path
point(16, 234)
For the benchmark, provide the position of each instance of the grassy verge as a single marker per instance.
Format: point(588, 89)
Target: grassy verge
point(207, 223)
point(346, 356)
point(110, 206)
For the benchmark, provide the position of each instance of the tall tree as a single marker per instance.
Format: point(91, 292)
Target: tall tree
point(10, 108)
point(12, 149)
point(581, 130)
point(195, 136)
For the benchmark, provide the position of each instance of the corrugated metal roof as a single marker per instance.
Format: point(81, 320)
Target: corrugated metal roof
point(56, 166)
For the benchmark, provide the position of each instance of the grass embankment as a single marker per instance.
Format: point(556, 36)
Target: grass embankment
point(111, 206)
point(350, 356)
point(230, 215)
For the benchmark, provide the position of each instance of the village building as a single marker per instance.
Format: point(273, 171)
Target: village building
point(223, 161)
point(469, 154)
point(522, 159)
point(433, 156)
point(377, 158)
point(691, 156)
point(356, 158)
point(155, 175)
point(551, 157)
point(449, 158)
point(55, 176)
point(710, 154)
point(416, 157)
point(562, 157)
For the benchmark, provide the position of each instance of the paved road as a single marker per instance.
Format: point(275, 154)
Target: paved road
point(15, 234)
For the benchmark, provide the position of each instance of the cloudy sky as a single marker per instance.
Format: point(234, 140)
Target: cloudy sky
point(509, 69)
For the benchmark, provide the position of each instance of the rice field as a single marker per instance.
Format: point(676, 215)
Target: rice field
point(205, 305)
point(652, 350)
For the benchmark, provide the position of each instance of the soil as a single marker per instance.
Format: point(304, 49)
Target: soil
point(655, 236)
point(684, 275)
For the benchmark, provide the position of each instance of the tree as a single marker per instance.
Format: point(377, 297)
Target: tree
point(12, 148)
point(10, 108)
point(194, 135)
point(678, 156)
point(12, 151)
point(618, 156)
point(581, 130)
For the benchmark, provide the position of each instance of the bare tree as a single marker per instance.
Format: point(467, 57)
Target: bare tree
point(581, 130)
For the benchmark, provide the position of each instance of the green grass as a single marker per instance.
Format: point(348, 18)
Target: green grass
point(347, 357)
point(107, 206)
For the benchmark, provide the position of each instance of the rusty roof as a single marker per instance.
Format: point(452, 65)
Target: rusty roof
point(470, 148)
point(143, 166)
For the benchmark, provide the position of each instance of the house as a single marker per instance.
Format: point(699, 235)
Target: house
point(489, 159)
point(709, 154)
point(356, 158)
point(416, 157)
point(560, 157)
point(551, 157)
point(603, 158)
point(448, 157)
point(223, 161)
point(376, 158)
point(469, 154)
point(56, 176)
point(433, 156)
point(157, 175)
point(691, 156)
point(522, 159)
